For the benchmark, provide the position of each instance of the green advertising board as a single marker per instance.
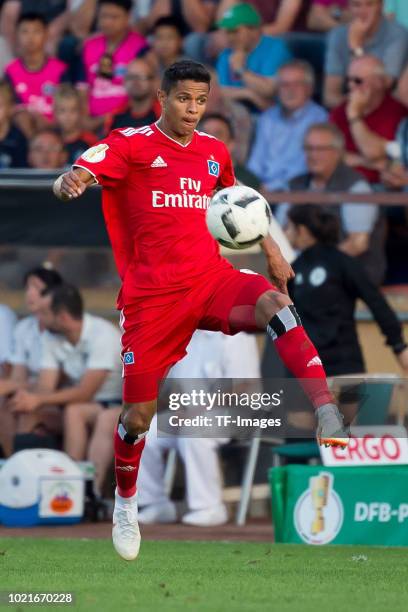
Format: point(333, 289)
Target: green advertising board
point(340, 505)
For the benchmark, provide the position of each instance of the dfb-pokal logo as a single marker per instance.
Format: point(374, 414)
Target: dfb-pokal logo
point(318, 514)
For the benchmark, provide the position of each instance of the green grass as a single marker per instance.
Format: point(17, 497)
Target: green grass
point(208, 576)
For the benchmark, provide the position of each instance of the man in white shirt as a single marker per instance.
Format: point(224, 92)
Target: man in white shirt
point(210, 355)
point(84, 351)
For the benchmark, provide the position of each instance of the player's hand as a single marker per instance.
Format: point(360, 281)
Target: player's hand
point(69, 186)
point(24, 401)
point(280, 273)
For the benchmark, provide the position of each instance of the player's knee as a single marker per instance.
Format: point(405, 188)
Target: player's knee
point(268, 305)
point(135, 419)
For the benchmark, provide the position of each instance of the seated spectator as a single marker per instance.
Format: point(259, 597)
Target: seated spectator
point(69, 121)
point(167, 44)
point(278, 16)
point(143, 107)
point(33, 75)
point(398, 10)
point(402, 88)
point(210, 355)
point(369, 32)
point(238, 114)
point(195, 17)
point(8, 321)
point(324, 15)
point(361, 226)
point(24, 355)
point(106, 55)
point(247, 69)
point(369, 117)
point(13, 143)
point(46, 151)
point(55, 12)
point(327, 286)
point(83, 349)
point(277, 154)
point(220, 127)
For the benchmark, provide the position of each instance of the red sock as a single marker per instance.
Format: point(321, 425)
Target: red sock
point(300, 357)
point(127, 461)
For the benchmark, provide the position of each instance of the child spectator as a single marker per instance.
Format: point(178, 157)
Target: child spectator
point(34, 76)
point(106, 55)
point(278, 16)
point(47, 151)
point(143, 107)
point(13, 143)
point(167, 43)
point(68, 118)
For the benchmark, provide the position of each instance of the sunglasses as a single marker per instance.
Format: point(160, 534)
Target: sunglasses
point(355, 80)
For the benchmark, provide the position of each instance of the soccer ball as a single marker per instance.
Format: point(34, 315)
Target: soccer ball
point(238, 217)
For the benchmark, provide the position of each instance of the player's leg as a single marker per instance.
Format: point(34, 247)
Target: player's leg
point(276, 313)
point(245, 301)
point(78, 418)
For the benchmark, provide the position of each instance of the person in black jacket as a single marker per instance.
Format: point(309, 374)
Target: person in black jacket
point(326, 288)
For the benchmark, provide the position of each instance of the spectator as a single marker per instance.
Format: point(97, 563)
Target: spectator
point(395, 174)
point(209, 356)
point(69, 121)
point(106, 55)
point(46, 151)
point(24, 355)
point(369, 117)
point(5, 55)
point(402, 88)
point(195, 18)
point(8, 321)
point(361, 225)
point(324, 15)
point(34, 76)
point(220, 127)
point(327, 286)
point(369, 32)
point(167, 43)
point(278, 16)
point(54, 12)
point(238, 114)
point(247, 69)
point(85, 350)
point(398, 10)
point(277, 154)
point(143, 107)
point(13, 143)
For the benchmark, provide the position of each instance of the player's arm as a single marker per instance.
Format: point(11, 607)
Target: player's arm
point(279, 270)
point(72, 184)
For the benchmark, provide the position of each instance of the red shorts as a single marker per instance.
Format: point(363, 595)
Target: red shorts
point(157, 329)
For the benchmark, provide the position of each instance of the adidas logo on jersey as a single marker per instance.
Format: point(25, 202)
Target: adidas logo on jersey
point(158, 163)
point(316, 361)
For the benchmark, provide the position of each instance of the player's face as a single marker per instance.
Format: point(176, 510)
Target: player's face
point(31, 37)
point(184, 106)
point(33, 294)
point(68, 114)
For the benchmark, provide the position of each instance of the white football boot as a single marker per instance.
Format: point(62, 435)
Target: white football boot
point(125, 531)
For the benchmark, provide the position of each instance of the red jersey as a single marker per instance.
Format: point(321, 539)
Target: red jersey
point(155, 195)
point(383, 121)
